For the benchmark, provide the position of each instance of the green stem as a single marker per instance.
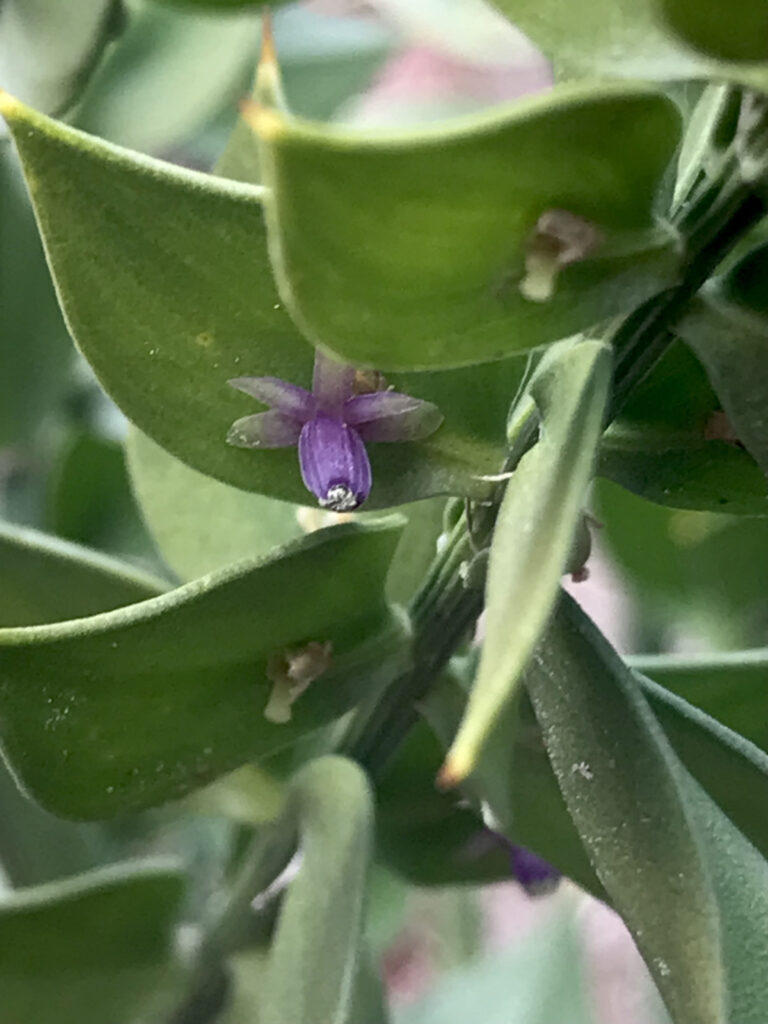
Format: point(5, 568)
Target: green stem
point(445, 610)
point(268, 855)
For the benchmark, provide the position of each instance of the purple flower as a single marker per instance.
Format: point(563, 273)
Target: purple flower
point(534, 874)
point(330, 425)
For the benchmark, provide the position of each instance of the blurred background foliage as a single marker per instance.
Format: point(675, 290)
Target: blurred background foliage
point(166, 79)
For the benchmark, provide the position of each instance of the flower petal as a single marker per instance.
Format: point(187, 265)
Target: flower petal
point(391, 416)
point(332, 383)
point(271, 429)
point(278, 394)
point(535, 874)
point(334, 463)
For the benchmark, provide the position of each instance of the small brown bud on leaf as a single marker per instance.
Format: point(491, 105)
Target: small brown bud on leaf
point(559, 239)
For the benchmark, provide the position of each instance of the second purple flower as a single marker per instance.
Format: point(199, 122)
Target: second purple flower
point(330, 424)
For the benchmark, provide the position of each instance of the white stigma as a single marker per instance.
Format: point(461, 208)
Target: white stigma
point(339, 499)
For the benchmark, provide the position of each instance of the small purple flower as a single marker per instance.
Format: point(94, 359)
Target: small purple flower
point(330, 425)
point(534, 874)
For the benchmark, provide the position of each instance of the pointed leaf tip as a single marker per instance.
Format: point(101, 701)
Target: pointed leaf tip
point(268, 55)
point(269, 88)
point(265, 121)
point(8, 104)
point(451, 774)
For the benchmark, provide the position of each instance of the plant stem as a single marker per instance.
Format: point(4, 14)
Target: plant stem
point(267, 856)
point(445, 610)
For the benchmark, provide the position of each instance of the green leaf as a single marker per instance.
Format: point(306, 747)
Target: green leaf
point(90, 499)
point(617, 39)
point(538, 980)
point(48, 49)
point(740, 877)
point(198, 523)
point(210, 312)
point(369, 1002)
point(513, 785)
point(663, 448)
point(141, 705)
point(323, 62)
point(620, 780)
point(733, 771)
point(315, 953)
point(433, 257)
point(534, 533)
point(35, 847)
point(713, 476)
point(727, 328)
point(35, 351)
point(178, 70)
point(43, 579)
point(728, 687)
point(737, 32)
point(724, 763)
point(201, 525)
point(98, 947)
point(172, 72)
point(700, 567)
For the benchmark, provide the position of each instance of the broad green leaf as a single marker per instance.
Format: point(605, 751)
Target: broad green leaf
point(737, 31)
point(179, 70)
point(727, 328)
point(164, 342)
point(98, 947)
point(538, 980)
point(201, 525)
point(620, 780)
point(714, 476)
point(90, 499)
point(430, 260)
point(701, 568)
point(48, 49)
point(734, 775)
point(315, 953)
point(733, 771)
point(141, 705)
point(514, 786)
point(729, 687)
point(664, 445)
point(534, 531)
point(35, 352)
point(172, 72)
point(198, 523)
point(44, 579)
point(35, 847)
point(740, 877)
point(618, 39)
